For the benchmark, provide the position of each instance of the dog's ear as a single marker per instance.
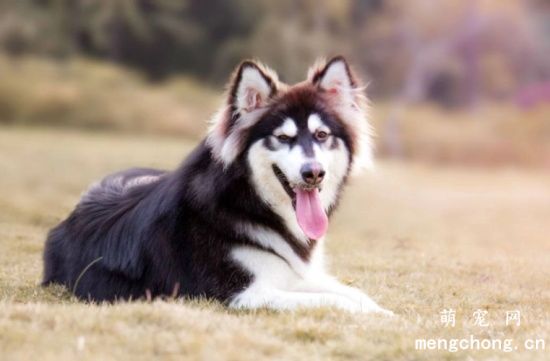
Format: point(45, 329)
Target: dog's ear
point(334, 77)
point(250, 91)
point(343, 92)
point(251, 87)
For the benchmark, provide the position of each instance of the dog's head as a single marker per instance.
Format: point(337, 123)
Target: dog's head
point(300, 142)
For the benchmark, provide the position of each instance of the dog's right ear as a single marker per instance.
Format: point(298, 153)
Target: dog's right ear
point(251, 87)
point(250, 91)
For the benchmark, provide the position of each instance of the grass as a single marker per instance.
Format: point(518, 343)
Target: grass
point(491, 134)
point(417, 239)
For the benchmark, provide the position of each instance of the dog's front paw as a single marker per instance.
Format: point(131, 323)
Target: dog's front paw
point(384, 312)
point(367, 305)
point(342, 303)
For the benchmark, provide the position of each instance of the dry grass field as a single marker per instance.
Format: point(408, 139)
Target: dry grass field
point(418, 239)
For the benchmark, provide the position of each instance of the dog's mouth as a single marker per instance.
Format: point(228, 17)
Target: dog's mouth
point(290, 188)
point(310, 214)
point(285, 183)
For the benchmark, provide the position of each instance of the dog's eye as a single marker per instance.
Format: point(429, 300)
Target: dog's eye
point(321, 135)
point(283, 138)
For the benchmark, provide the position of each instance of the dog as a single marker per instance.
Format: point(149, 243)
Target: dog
point(243, 219)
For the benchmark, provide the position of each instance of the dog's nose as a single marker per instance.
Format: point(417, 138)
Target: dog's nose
point(312, 173)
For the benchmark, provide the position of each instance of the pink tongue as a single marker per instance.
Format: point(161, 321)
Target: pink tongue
point(310, 213)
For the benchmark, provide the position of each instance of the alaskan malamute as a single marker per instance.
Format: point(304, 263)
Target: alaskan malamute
point(243, 219)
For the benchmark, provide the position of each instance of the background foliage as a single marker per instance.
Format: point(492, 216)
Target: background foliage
point(452, 51)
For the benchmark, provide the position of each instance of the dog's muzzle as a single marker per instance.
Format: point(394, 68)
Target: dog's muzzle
point(312, 173)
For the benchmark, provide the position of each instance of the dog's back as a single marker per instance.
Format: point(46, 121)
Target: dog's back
point(106, 218)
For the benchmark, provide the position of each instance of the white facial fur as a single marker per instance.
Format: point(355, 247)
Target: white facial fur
point(270, 189)
point(334, 161)
point(314, 123)
point(288, 128)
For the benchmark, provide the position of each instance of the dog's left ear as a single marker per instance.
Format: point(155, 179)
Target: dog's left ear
point(343, 91)
point(334, 77)
point(251, 88)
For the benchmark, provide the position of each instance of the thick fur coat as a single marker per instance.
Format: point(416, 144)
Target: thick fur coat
point(242, 220)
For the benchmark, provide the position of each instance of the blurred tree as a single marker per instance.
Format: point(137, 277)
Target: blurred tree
point(452, 51)
point(146, 34)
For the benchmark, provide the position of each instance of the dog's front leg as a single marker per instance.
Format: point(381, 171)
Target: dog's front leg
point(326, 283)
point(272, 298)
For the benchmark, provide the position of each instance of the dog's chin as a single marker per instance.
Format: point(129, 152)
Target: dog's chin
point(290, 187)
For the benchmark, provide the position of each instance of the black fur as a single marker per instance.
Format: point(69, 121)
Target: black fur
point(173, 235)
